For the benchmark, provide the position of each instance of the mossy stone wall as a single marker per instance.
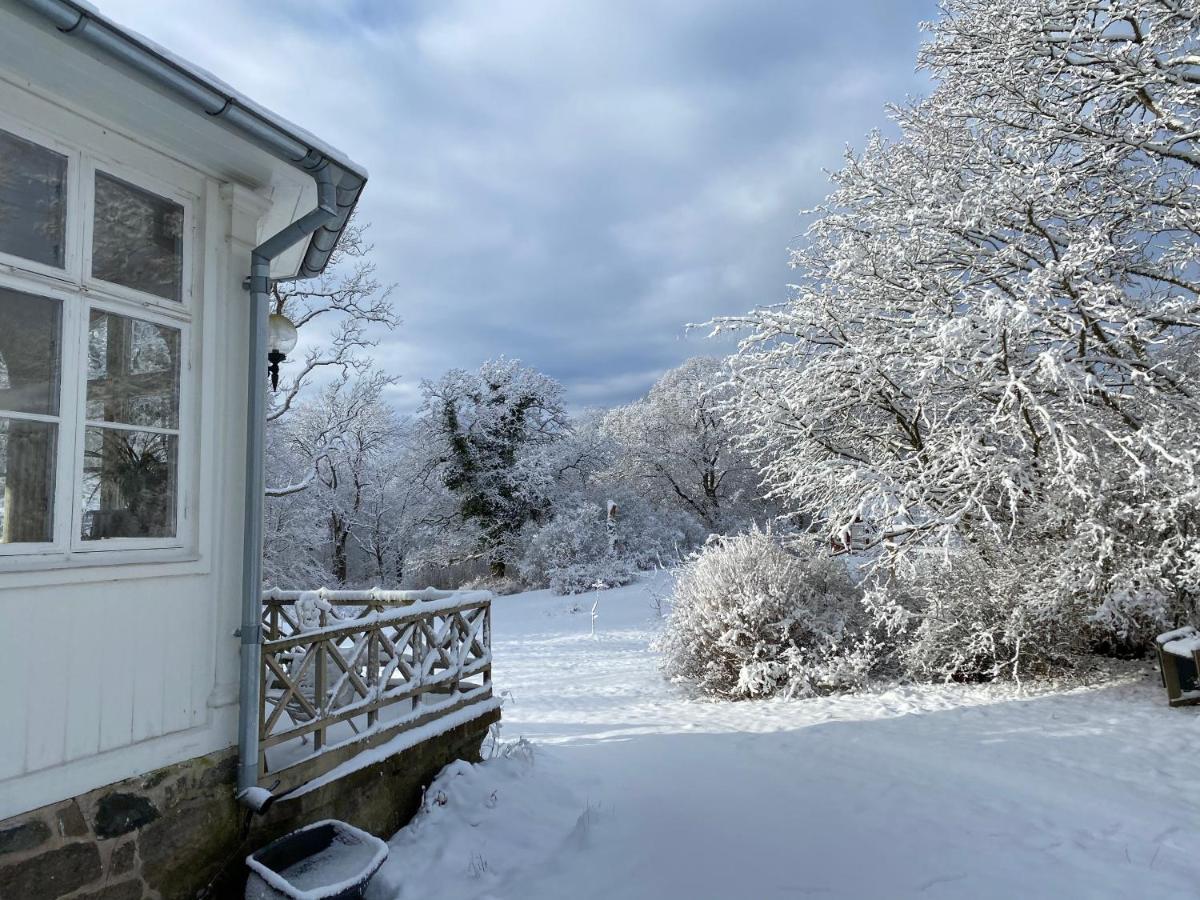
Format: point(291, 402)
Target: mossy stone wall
point(178, 833)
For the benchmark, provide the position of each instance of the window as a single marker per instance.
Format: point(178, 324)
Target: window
point(130, 441)
point(90, 380)
point(33, 201)
point(137, 239)
point(30, 354)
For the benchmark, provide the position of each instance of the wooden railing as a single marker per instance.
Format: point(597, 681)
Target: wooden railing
point(345, 671)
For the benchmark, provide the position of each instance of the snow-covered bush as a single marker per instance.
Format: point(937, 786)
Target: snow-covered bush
point(960, 619)
point(1130, 559)
point(753, 619)
point(601, 574)
point(575, 552)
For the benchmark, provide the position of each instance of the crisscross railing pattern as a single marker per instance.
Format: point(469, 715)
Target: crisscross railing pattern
point(346, 670)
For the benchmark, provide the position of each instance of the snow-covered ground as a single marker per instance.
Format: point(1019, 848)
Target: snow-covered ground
point(634, 790)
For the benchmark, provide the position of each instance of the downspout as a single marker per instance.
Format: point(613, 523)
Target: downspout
point(259, 285)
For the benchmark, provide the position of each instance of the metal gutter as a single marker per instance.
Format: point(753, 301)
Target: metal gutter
point(250, 632)
point(339, 183)
point(197, 89)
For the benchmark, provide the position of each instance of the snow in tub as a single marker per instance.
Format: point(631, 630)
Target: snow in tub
point(327, 860)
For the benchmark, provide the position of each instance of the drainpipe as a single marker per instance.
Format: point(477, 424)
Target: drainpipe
point(259, 285)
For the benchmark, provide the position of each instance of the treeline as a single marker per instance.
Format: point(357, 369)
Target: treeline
point(493, 477)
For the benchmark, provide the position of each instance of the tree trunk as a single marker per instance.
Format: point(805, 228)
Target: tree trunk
point(338, 534)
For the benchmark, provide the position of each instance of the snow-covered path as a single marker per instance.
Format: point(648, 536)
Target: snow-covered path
point(638, 791)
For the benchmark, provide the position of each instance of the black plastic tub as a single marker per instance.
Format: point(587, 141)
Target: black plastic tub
point(328, 860)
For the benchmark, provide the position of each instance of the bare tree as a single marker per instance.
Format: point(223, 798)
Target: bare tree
point(349, 302)
point(343, 440)
point(353, 307)
point(678, 447)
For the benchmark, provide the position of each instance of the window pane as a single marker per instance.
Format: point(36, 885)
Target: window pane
point(33, 201)
point(27, 481)
point(29, 353)
point(137, 239)
point(133, 371)
point(128, 484)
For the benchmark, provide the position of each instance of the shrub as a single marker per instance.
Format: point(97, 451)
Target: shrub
point(571, 553)
point(961, 619)
point(500, 585)
point(579, 578)
point(753, 619)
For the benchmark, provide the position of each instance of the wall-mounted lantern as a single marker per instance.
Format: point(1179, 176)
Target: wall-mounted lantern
point(281, 340)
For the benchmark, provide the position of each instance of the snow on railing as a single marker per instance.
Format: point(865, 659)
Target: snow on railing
point(352, 669)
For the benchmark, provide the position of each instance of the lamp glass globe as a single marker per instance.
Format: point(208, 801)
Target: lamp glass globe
point(281, 334)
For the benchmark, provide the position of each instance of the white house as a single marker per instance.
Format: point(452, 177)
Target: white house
point(143, 206)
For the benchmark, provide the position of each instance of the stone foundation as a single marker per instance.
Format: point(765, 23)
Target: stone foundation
point(178, 833)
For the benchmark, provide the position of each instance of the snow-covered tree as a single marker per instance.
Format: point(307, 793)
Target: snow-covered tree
point(338, 316)
point(993, 335)
point(597, 529)
point(678, 448)
point(393, 524)
point(476, 428)
point(293, 528)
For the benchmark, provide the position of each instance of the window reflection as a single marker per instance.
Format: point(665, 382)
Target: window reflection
point(29, 377)
point(27, 453)
point(133, 371)
point(137, 239)
point(33, 201)
point(130, 444)
point(129, 484)
point(29, 353)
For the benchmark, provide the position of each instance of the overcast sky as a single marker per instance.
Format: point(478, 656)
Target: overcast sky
point(569, 183)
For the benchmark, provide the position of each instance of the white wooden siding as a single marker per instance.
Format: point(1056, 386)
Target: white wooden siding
point(114, 665)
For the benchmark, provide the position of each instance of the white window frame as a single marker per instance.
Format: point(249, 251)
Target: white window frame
point(72, 254)
point(78, 293)
point(63, 464)
point(183, 466)
point(181, 309)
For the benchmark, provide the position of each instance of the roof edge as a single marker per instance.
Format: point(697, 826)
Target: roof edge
point(201, 91)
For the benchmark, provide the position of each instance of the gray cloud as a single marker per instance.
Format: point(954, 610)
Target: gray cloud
point(568, 183)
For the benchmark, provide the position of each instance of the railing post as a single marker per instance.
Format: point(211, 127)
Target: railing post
point(373, 674)
point(455, 645)
point(486, 643)
point(418, 666)
point(319, 685)
point(261, 762)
